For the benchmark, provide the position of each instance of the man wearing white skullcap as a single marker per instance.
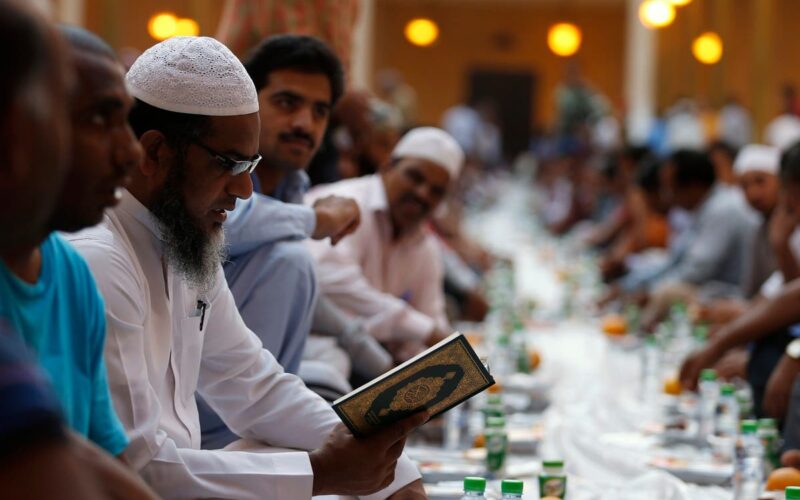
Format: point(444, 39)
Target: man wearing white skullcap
point(389, 271)
point(765, 327)
point(173, 327)
point(756, 168)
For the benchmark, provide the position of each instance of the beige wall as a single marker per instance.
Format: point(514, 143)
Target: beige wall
point(761, 53)
point(762, 48)
point(467, 39)
point(123, 23)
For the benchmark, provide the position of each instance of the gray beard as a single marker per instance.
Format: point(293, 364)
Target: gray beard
point(192, 252)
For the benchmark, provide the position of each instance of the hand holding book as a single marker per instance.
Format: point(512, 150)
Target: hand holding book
point(369, 462)
point(435, 380)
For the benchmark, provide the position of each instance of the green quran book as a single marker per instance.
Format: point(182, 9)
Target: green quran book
point(438, 379)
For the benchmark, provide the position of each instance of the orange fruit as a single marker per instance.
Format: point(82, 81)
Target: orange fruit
point(549, 498)
point(534, 359)
point(474, 338)
point(782, 478)
point(614, 324)
point(479, 442)
point(672, 386)
point(495, 389)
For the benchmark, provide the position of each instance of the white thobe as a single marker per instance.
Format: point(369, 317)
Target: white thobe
point(158, 355)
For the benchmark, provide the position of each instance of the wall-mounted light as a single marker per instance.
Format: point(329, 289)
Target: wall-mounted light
point(421, 32)
point(166, 24)
point(656, 13)
point(707, 48)
point(564, 39)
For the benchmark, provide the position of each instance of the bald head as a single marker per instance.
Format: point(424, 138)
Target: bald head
point(104, 149)
point(33, 123)
point(86, 42)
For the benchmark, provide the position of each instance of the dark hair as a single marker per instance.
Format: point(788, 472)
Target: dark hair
point(24, 51)
point(299, 52)
point(648, 178)
point(180, 129)
point(609, 167)
point(692, 168)
point(635, 153)
point(725, 147)
point(86, 41)
point(790, 165)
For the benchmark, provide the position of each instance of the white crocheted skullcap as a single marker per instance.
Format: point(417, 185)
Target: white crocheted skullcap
point(757, 157)
point(194, 75)
point(432, 144)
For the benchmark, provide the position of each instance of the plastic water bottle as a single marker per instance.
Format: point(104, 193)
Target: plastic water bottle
point(770, 440)
point(454, 426)
point(511, 489)
point(474, 488)
point(496, 444)
point(650, 369)
point(709, 395)
point(727, 412)
point(749, 475)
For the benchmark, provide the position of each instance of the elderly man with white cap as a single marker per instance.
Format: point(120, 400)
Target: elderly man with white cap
point(173, 327)
point(756, 169)
point(763, 323)
point(389, 271)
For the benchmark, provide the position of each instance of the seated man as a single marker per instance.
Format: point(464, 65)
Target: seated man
point(47, 293)
point(712, 250)
point(389, 271)
point(173, 327)
point(39, 457)
point(270, 272)
point(766, 326)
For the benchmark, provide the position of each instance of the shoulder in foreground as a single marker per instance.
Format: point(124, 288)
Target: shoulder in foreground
point(98, 244)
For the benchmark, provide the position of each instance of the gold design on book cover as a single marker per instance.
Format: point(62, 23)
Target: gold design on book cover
point(423, 381)
point(417, 393)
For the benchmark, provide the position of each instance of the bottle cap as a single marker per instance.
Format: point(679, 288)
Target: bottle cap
point(749, 426)
point(555, 464)
point(494, 399)
point(727, 390)
point(477, 484)
point(708, 375)
point(700, 331)
point(792, 493)
point(512, 486)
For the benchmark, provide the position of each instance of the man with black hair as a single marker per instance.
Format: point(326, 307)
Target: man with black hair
point(270, 271)
point(173, 328)
point(712, 249)
point(47, 291)
point(34, 128)
point(47, 295)
point(766, 326)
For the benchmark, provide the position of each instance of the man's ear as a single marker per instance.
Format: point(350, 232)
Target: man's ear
point(157, 153)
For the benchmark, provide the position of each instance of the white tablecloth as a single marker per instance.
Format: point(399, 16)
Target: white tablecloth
point(596, 413)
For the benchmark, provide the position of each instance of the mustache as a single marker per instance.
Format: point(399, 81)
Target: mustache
point(298, 135)
point(422, 204)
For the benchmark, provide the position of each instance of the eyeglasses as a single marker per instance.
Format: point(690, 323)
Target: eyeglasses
point(234, 167)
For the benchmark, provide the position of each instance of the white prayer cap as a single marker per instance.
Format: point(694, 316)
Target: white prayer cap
point(194, 75)
point(757, 157)
point(432, 144)
point(783, 132)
